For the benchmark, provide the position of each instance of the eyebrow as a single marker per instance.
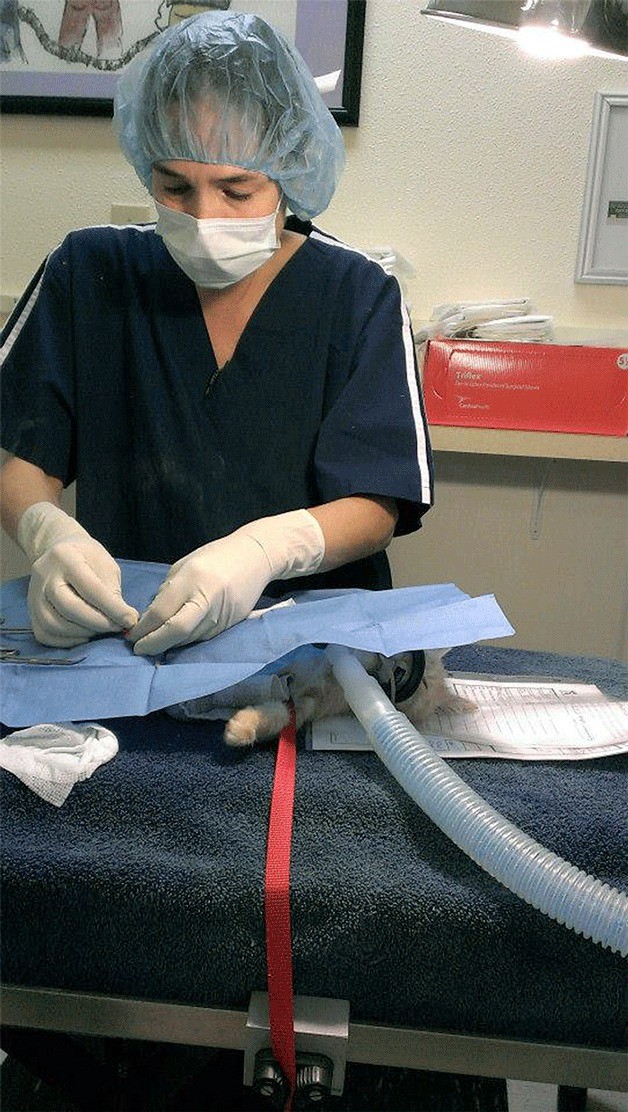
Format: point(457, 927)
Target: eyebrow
point(229, 179)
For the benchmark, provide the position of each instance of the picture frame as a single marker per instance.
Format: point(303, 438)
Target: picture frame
point(53, 62)
point(603, 246)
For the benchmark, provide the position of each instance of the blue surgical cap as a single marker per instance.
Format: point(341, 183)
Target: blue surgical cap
point(226, 88)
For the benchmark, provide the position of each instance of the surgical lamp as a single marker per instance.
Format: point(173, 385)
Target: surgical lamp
point(545, 28)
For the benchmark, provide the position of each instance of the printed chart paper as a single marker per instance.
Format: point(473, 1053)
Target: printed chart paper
point(522, 721)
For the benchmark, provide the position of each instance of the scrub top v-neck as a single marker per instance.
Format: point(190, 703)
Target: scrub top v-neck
point(222, 307)
point(260, 307)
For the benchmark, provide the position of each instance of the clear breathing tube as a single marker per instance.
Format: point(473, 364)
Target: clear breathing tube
point(541, 878)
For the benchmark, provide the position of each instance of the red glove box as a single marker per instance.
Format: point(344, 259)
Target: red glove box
point(539, 387)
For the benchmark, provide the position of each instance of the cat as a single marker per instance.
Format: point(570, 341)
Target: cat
point(316, 694)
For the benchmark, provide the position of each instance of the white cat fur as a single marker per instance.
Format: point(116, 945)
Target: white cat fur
point(316, 694)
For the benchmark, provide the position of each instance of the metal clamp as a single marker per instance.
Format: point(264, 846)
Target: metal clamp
point(321, 1028)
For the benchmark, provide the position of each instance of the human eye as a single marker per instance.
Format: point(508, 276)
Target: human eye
point(237, 195)
point(176, 190)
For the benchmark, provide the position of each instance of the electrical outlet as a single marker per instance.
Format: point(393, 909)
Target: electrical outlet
point(132, 214)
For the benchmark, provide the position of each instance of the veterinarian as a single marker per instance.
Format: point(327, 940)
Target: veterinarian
point(234, 392)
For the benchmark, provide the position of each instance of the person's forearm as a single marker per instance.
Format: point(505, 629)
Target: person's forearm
point(21, 485)
point(354, 528)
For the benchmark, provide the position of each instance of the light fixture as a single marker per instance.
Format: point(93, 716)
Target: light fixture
point(546, 28)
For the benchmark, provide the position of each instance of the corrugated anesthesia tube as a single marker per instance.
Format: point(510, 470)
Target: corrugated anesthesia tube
point(541, 878)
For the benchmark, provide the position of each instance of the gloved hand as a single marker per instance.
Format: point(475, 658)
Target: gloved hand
point(74, 590)
point(219, 584)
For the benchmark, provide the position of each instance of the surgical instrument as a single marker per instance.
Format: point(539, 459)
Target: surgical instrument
point(13, 656)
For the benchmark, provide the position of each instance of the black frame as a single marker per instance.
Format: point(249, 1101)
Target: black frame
point(347, 115)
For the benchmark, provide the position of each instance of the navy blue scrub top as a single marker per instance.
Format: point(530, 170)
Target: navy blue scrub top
point(109, 378)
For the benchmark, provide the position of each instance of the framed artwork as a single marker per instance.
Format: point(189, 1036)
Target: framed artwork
point(603, 247)
point(63, 56)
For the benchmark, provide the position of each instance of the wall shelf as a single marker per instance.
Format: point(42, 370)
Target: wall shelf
point(515, 442)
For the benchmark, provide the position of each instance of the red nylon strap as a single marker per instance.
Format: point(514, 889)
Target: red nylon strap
point(277, 906)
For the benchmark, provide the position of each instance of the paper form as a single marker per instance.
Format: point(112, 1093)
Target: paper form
point(516, 720)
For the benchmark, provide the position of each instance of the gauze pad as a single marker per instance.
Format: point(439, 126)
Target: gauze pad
point(52, 757)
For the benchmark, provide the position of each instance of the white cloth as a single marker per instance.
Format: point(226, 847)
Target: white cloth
point(52, 757)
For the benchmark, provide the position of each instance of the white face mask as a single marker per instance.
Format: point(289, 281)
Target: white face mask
point(216, 253)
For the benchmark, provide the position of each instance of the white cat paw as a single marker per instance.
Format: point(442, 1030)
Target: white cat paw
point(241, 729)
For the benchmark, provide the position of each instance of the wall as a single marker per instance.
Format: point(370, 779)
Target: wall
point(471, 159)
point(546, 537)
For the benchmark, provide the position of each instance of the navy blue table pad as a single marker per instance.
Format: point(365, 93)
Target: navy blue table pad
point(148, 882)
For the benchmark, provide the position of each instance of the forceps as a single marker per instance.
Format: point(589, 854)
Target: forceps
point(13, 629)
point(14, 656)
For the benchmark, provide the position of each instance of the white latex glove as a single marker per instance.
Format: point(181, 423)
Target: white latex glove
point(74, 591)
point(219, 584)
